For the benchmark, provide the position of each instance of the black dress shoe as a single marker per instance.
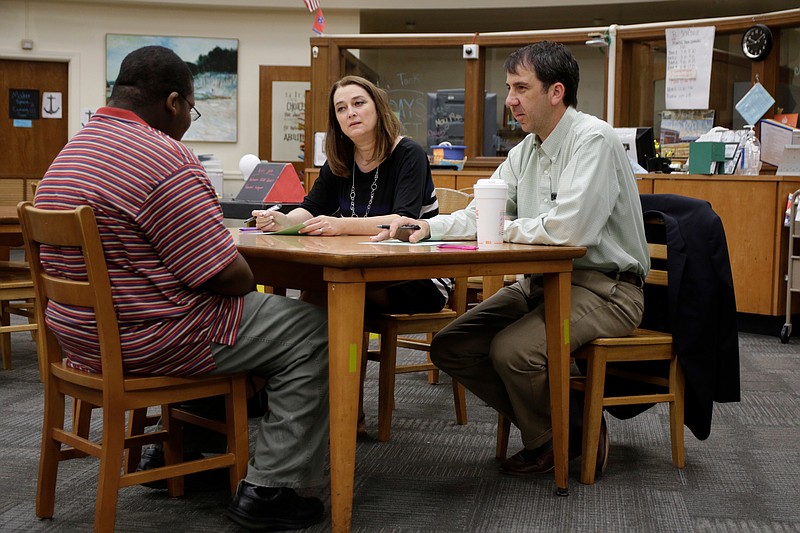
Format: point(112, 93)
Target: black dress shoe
point(206, 481)
point(273, 508)
point(530, 462)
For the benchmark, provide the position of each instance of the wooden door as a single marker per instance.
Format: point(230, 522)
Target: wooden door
point(29, 145)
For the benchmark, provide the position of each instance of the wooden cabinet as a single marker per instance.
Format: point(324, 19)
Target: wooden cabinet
point(752, 210)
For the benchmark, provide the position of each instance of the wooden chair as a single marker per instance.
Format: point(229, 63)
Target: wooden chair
point(608, 356)
point(394, 328)
point(116, 393)
point(451, 200)
point(16, 298)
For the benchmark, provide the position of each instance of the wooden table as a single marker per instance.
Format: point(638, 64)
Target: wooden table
point(10, 231)
point(342, 265)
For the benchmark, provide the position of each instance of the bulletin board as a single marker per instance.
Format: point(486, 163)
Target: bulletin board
point(282, 112)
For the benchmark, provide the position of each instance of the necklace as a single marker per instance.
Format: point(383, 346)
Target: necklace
point(371, 192)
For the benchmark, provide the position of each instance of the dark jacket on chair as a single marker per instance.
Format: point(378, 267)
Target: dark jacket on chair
point(699, 307)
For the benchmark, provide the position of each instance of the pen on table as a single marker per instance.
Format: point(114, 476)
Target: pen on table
point(273, 208)
point(404, 226)
point(458, 246)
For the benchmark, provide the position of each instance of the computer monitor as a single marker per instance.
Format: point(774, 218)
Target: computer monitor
point(446, 119)
point(639, 144)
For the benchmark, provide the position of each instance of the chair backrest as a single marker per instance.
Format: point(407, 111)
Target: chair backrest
point(656, 291)
point(451, 200)
point(656, 245)
point(74, 229)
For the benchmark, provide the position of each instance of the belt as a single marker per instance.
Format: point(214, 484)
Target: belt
point(627, 277)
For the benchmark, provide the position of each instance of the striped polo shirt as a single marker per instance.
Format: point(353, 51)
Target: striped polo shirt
point(161, 227)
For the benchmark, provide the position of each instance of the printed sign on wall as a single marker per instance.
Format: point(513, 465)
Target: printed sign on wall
point(23, 104)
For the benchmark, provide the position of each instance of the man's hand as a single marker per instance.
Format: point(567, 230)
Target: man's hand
point(412, 236)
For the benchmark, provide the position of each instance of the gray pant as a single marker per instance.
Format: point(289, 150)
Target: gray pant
point(498, 349)
point(285, 341)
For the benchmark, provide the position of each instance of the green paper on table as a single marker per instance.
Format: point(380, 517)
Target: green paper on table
point(291, 230)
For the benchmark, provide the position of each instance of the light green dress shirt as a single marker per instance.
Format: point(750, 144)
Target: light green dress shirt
point(576, 188)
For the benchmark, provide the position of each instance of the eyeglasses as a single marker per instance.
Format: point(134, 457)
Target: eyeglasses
point(195, 114)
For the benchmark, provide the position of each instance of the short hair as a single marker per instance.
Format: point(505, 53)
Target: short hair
point(551, 62)
point(149, 74)
point(339, 149)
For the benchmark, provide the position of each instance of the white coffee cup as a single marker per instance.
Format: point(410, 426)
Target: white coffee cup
point(490, 204)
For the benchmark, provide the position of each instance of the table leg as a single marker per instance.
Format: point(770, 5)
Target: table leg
point(557, 288)
point(345, 336)
point(492, 284)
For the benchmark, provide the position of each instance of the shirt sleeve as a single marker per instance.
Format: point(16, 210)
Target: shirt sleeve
point(182, 219)
point(413, 171)
point(323, 198)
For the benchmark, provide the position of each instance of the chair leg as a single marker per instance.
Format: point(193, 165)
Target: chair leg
point(236, 420)
point(592, 414)
point(676, 407)
point(386, 377)
point(5, 338)
point(81, 417)
point(137, 422)
point(108, 483)
point(364, 350)
point(460, 402)
point(503, 430)
point(173, 449)
point(54, 405)
point(433, 375)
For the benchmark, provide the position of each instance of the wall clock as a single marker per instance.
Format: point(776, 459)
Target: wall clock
point(757, 42)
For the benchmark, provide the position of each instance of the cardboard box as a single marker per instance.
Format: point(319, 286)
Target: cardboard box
point(706, 158)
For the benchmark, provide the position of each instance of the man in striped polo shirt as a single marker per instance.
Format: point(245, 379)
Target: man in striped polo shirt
point(184, 296)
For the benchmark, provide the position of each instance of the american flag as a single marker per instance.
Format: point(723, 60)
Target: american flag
point(312, 5)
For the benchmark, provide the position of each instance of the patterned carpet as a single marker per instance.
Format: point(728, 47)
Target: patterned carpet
point(435, 476)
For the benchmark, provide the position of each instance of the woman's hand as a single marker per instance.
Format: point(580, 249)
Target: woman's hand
point(271, 220)
point(324, 225)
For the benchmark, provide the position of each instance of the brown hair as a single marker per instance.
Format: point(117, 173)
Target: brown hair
point(339, 149)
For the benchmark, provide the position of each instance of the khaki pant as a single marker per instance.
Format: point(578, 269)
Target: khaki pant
point(498, 349)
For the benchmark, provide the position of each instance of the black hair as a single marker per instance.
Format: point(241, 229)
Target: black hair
point(552, 62)
point(151, 73)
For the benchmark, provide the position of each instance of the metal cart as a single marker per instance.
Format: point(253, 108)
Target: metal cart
point(793, 269)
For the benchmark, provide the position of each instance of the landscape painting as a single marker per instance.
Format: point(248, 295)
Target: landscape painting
point(214, 63)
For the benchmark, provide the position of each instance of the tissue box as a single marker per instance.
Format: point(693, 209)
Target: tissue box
point(706, 158)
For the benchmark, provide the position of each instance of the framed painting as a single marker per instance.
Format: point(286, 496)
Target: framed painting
point(214, 64)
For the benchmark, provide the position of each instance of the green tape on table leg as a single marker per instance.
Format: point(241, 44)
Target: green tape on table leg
point(353, 358)
point(566, 331)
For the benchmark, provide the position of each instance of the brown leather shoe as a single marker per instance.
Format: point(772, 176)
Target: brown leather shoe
point(602, 448)
point(530, 462)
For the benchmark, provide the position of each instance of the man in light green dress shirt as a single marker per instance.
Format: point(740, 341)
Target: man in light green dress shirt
point(569, 183)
